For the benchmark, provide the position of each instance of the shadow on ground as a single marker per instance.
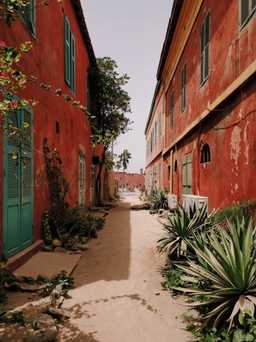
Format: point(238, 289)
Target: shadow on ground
point(98, 263)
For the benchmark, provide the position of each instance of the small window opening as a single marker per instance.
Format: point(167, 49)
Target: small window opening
point(175, 166)
point(57, 127)
point(169, 172)
point(205, 154)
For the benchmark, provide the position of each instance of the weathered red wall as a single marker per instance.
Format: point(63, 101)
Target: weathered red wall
point(230, 175)
point(230, 130)
point(46, 61)
point(132, 180)
point(231, 51)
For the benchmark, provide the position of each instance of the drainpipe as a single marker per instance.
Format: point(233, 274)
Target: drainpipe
point(198, 156)
point(171, 172)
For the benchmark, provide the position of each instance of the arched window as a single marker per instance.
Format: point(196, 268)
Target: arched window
point(205, 154)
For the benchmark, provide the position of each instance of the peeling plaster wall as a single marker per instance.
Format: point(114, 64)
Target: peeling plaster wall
point(230, 130)
point(46, 61)
point(230, 175)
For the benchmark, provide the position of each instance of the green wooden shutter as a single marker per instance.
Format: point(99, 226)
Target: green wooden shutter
point(171, 110)
point(18, 185)
point(202, 53)
point(205, 39)
point(82, 180)
point(245, 10)
point(72, 66)
point(183, 87)
point(206, 48)
point(187, 174)
point(26, 180)
point(29, 15)
point(67, 51)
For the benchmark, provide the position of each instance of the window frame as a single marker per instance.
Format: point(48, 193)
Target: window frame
point(187, 181)
point(183, 97)
point(171, 109)
point(69, 55)
point(252, 11)
point(81, 180)
point(205, 154)
point(28, 15)
point(205, 49)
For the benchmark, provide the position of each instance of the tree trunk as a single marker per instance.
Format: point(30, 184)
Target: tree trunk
point(99, 184)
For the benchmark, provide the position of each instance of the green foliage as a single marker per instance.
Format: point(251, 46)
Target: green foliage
point(158, 200)
point(83, 225)
point(180, 229)
point(124, 159)
point(60, 221)
point(10, 9)
point(229, 263)
point(173, 277)
point(244, 331)
point(238, 210)
point(6, 278)
point(62, 279)
point(12, 78)
point(58, 190)
point(111, 102)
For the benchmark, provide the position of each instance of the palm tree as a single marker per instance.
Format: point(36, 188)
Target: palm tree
point(124, 159)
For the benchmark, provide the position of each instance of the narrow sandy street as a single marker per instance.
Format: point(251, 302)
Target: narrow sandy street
point(118, 295)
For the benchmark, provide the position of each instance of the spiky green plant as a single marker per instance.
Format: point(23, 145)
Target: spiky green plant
point(158, 200)
point(181, 227)
point(229, 263)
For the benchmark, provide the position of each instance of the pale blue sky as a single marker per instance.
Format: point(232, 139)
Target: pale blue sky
point(132, 33)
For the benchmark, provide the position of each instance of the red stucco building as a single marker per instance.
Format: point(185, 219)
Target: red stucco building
point(201, 128)
point(61, 55)
point(130, 180)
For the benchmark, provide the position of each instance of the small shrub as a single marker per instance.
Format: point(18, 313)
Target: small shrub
point(239, 210)
point(172, 276)
point(180, 228)
point(158, 200)
point(74, 224)
point(229, 263)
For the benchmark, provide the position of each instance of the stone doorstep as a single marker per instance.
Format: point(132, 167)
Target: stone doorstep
point(48, 264)
point(22, 257)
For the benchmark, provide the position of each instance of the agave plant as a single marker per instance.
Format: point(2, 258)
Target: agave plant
point(159, 200)
point(229, 263)
point(181, 227)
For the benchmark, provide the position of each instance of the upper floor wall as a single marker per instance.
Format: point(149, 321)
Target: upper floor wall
point(155, 133)
point(219, 47)
point(61, 52)
point(212, 49)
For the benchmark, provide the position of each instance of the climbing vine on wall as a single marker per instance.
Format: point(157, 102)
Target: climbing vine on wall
point(58, 190)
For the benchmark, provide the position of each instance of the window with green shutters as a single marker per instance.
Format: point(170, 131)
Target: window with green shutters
point(29, 15)
point(171, 110)
point(205, 39)
point(82, 180)
point(187, 174)
point(247, 8)
point(69, 55)
point(183, 88)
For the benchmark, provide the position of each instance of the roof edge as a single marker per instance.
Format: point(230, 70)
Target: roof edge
point(176, 9)
point(81, 20)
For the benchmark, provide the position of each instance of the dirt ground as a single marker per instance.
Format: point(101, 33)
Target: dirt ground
point(118, 295)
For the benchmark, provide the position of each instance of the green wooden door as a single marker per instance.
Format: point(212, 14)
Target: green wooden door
point(18, 186)
point(187, 174)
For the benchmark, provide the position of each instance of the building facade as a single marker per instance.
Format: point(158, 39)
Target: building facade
point(129, 181)
point(206, 90)
point(60, 58)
